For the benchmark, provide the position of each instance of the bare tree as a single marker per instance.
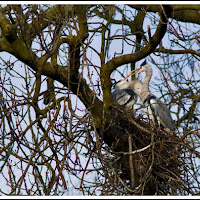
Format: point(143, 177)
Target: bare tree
point(60, 133)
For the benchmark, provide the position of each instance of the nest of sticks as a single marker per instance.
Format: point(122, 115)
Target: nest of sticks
point(147, 160)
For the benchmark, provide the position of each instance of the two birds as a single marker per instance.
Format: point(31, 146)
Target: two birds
point(126, 93)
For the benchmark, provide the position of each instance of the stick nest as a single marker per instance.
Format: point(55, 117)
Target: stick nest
point(157, 165)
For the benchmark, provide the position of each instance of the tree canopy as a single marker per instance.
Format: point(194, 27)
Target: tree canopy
point(60, 132)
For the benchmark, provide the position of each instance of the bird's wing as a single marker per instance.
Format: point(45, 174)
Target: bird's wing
point(123, 96)
point(163, 113)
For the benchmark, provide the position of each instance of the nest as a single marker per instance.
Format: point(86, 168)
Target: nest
point(156, 167)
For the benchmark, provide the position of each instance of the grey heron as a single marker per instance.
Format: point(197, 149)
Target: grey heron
point(157, 111)
point(125, 93)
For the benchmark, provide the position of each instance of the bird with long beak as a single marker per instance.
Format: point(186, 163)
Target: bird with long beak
point(157, 111)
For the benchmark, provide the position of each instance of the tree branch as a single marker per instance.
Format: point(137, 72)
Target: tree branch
point(111, 65)
point(184, 13)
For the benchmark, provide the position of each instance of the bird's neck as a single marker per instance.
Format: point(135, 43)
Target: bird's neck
point(147, 80)
point(123, 85)
point(120, 85)
point(145, 89)
point(144, 95)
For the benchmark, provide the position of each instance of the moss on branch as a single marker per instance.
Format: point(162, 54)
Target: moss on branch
point(8, 29)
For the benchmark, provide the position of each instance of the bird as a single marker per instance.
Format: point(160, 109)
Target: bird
point(126, 93)
point(49, 94)
point(157, 111)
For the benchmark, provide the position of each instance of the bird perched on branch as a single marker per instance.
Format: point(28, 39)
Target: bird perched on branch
point(157, 111)
point(49, 94)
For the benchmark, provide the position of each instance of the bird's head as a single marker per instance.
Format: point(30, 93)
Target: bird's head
point(144, 67)
point(137, 87)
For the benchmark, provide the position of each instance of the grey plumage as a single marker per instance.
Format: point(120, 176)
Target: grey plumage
point(125, 93)
point(155, 108)
point(124, 97)
point(159, 113)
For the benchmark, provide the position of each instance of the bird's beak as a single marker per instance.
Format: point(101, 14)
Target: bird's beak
point(135, 71)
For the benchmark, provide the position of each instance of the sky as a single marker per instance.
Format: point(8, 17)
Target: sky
point(97, 44)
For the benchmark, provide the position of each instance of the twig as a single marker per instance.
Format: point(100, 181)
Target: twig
point(131, 162)
point(136, 151)
point(140, 127)
point(136, 190)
